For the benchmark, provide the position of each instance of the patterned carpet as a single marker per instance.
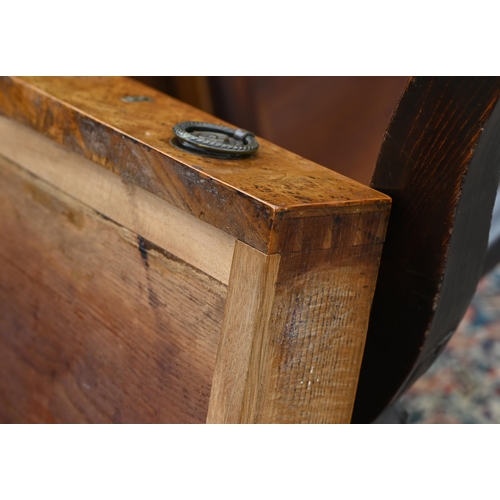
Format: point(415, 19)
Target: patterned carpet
point(463, 385)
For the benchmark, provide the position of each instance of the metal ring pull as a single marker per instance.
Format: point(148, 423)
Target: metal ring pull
point(209, 139)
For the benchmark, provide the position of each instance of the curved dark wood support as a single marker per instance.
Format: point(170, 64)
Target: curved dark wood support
point(439, 162)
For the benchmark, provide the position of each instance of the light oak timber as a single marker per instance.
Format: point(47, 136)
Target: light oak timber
point(192, 240)
point(96, 323)
point(246, 317)
point(298, 246)
point(294, 332)
point(245, 198)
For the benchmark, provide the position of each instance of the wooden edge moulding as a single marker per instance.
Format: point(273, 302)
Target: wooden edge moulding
point(273, 257)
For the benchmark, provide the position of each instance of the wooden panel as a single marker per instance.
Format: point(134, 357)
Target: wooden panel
point(295, 327)
point(241, 197)
point(194, 241)
point(300, 285)
point(97, 324)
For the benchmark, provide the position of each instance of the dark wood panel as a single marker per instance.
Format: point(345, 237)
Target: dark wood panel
point(96, 323)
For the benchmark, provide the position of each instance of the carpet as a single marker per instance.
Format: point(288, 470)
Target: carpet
point(463, 385)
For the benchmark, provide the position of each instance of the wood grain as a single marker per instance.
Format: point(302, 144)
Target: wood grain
point(440, 163)
point(190, 239)
point(241, 197)
point(294, 329)
point(287, 344)
point(246, 316)
point(97, 324)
